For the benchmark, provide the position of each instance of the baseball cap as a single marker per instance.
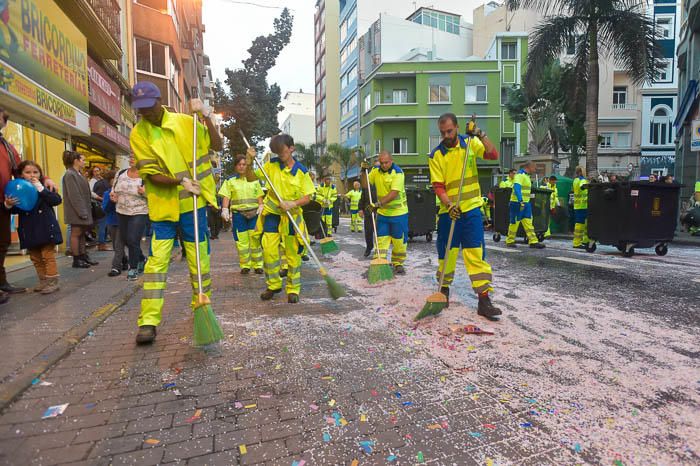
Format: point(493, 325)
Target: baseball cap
point(144, 94)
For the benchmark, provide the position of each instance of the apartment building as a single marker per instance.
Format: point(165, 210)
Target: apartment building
point(327, 74)
point(297, 117)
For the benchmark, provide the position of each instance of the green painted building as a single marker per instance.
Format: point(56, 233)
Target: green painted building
point(400, 103)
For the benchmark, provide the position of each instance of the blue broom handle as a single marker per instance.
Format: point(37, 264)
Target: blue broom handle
point(194, 198)
point(454, 222)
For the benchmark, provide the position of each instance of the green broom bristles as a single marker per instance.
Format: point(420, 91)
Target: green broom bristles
point(206, 327)
point(336, 291)
point(379, 270)
point(434, 305)
point(328, 246)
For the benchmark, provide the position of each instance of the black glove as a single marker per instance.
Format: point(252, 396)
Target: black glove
point(373, 207)
point(365, 165)
point(454, 211)
point(473, 130)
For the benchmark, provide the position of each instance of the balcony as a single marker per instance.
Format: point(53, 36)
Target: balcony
point(99, 21)
point(623, 107)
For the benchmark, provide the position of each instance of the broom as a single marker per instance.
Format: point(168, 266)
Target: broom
point(206, 327)
point(379, 268)
point(336, 291)
point(436, 302)
point(328, 245)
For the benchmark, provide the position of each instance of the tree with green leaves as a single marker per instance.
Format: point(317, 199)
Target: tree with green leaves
point(249, 103)
point(345, 157)
point(616, 29)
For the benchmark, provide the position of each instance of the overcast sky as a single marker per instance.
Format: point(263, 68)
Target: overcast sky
point(231, 28)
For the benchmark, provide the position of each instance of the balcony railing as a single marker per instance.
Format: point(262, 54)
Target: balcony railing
point(623, 107)
point(108, 12)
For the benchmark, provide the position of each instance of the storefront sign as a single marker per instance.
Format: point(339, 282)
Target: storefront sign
point(19, 87)
point(101, 128)
point(41, 44)
point(104, 93)
point(695, 136)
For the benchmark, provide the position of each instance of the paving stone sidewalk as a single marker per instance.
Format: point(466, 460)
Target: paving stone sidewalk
point(319, 382)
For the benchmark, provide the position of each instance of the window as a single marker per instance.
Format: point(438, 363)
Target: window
point(666, 72)
point(606, 140)
point(475, 93)
point(508, 50)
point(368, 103)
point(343, 30)
point(440, 93)
point(624, 140)
point(377, 146)
point(352, 74)
point(399, 96)
point(504, 95)
point(400, 146)
point(347, 50)
point(151, 57)
point(660, 127)
point(433, 142)
point(620, 96)
point(352, 130)
point(377, 97)
point(664, 27)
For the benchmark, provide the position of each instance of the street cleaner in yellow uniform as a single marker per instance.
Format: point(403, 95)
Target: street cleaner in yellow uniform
point(521, 208)
point(554, 202)
point(391, 207)
point(326, 195)
point(446, 162)
point(508, 181)
point(292, 181)
point(354, 197)
point(243, 201)
point(162, 146)
point(580, 209)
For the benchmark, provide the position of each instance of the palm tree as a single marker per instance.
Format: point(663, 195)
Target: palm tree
point(306, 155)
point(345, 157)
point(615, 29)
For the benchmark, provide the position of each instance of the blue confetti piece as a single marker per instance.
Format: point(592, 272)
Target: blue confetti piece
point(398, 394)
point(90, 405)
point(35, 381)
point(475, 434)
point(407, 403)
point(367, 446)
point(168, 385)
point(526, 424)
point(326, 437)
point(533, 413)
point(578, 448)
point(391, 458)
point(531, 400)
point(471, 388)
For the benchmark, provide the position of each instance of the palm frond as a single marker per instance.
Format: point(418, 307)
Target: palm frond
point(630, 38)
point(547, 41)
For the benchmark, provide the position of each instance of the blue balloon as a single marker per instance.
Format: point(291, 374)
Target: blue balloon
point(23, 191)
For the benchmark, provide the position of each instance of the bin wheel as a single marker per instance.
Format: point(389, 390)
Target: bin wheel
point(496, 237)
point(621, 247)
point(428, 237)
point(591, 247)
point(661, 249)
point(628, 253)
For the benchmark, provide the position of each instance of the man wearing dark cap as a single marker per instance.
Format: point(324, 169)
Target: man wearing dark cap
point(162, 142)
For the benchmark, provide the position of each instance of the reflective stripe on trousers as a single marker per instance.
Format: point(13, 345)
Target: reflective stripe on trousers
point(398, 251)
point(271, 243)
point(477, 268)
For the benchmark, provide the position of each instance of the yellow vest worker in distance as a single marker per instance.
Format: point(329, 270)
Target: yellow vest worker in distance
point(293, 183)
point(554, 201)
point(243, 202)
point(391, 208)
point(162, 146)
point(580, 209)
point(354, 197)
point(521, 208)
point(508, 182)
point(446, 162)
point(326, 195)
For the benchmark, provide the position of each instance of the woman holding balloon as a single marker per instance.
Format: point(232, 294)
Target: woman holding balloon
point(38, 228)
point(77, 209)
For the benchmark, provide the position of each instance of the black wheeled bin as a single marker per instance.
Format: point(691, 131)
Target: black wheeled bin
point(312, 217)
point(540, 198)
point(630, 215)
point(501, 212)
point(421, 213)
point(336, 214)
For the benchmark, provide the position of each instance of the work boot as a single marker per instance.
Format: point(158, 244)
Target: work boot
point(538, 246)
point(146, 335)
point(283, 273)
point(292, 298)
point(4, 297)
point(268, 294)
point(487, 309)
point(104, 247)
point(511, 245)
point(446, 291)
point(87, 259)
point(40, 286)
point(51, 286)
point(114, 272)
point(368, 251)
point(259, 271)
point(132, 275)
point(79, 263)
point(7, 288)
point(245, 271)
point(399, 270)
point(305, 258)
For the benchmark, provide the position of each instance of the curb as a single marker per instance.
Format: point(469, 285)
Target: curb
point(61, 347)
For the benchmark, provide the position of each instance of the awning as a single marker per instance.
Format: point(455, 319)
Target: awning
point(686, 104)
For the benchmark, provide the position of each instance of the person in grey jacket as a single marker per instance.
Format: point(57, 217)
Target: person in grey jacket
point(77, 209)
